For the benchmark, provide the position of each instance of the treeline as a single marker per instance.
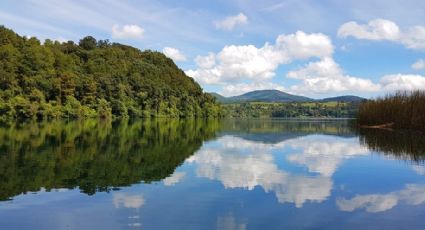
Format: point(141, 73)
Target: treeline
point(291, 109)
point(405, 145)
point(404, 110)
point(93, 79)
point(95, 155)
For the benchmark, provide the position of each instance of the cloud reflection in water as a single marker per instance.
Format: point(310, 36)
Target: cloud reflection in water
point(239, 163)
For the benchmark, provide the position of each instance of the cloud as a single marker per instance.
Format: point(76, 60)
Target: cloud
point(127, 32)
point(237, 64)
point(229, 222)
point(324, 155)
point(412, 194)
point(419, 169)
point(303, 46)
point(205, 62)
point(419, 64)
point(414, 38)
point(229, 23)
point(402, 82)
point(381, 29)
point(239, 69)
point(174, 179)
point(239, 163)
point(128, 201)
point(174, 54)
point(326, 76)
point(378, 29)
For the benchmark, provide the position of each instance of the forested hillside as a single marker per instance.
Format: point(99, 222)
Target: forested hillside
point(93, 78)
point(291, 109)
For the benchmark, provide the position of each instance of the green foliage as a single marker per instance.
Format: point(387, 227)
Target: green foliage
point(95, 155)
point(93, 79)
point(405, 110)
point(291, 109)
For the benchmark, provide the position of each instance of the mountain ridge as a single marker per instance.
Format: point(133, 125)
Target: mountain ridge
point(279, 96)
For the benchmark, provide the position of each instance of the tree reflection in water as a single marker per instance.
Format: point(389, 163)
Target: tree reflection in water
point(95, 155)
point(405, 145)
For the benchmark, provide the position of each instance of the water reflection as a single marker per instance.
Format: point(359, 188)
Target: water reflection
point(240, 163)
point(130, 201)
point(229, 222)
point(95, 155)
point(412, 194)
point(170, 174)
point(324, 154)
point(406, 145)
point(174, 179)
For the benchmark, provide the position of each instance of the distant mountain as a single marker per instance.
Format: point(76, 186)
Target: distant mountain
point(218, 97)
point(279, 96)
point(347, 98)
point(262, 96)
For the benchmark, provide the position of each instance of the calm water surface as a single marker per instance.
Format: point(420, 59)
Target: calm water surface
point(169, 174)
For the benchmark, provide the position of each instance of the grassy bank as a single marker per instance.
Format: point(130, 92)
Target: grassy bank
point(402, 110)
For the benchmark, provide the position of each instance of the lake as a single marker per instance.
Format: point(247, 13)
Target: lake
point(197, 174)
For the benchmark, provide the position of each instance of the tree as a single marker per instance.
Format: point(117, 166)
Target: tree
point(88, 43)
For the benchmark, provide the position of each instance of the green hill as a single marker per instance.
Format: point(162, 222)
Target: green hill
point(347, 98)
point(279, 96)
point(262, 96)
point(93, 78)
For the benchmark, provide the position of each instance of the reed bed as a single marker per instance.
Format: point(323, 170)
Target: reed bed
point(401, 110)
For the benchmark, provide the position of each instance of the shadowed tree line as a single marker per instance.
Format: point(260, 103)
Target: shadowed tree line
point(95, 155)
point(402, 110)
point(405, 145)
point(341, 127)
point(93, 79)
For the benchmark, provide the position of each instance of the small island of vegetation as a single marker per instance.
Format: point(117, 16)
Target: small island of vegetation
point(94, 78)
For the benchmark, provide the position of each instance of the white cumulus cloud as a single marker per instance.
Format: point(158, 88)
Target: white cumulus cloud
point(127, 32)
point(303, 46)
point(402, 82)
point(229, 23)
point(236, 64)
point(377, 29)
point(419, 64)
point(326, 76)
point(174, 54)
point(381, 29)
point(205, 62)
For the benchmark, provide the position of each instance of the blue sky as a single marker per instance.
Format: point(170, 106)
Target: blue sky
point(309, 47)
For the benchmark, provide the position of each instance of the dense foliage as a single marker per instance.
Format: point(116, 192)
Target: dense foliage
point(291, 109)
point(401, 110)
point(93, 78)
point(95, 155)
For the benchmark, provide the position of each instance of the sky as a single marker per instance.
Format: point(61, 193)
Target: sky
point(315, 48)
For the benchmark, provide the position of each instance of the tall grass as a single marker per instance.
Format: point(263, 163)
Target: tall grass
point(404, 110)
